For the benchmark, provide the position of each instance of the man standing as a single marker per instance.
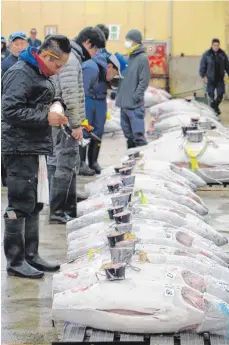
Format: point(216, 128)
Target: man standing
point(130, 95)
point(27, 94)
point(65, 162)
point(18, 42)
point(213, 65)
point(4, 50)
point(97, 73)
point(33, 40)
point(91, 69)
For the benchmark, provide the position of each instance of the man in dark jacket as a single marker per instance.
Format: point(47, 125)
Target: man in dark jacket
point(27, 94)
point(33, 40)
point(213, 65)
point(130, 95)
point(18, 42)
point(64, 164)
point(4, 50)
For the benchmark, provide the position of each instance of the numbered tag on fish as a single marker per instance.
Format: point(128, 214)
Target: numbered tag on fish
point(170, 275)
point(169, 292)
point(168, 235)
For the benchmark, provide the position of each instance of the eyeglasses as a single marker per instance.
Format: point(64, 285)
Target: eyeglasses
point(51, 54)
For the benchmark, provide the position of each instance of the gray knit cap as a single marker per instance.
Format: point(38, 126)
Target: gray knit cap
point(135, 36)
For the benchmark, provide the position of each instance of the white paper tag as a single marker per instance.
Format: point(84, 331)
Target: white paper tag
point(169, 235)
point(170, 275)
point(169, 292)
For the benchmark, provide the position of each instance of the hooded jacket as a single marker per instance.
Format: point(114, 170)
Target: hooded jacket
point(131, 90)
point(94, 77)
point(4, 51)
point(26, 98)
point(207, 65)
point(69, 86)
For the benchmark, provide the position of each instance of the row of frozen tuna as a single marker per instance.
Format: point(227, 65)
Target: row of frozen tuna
point(152, 97)
point(144, 255)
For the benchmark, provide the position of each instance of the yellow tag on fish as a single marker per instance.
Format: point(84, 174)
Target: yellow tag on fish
point(194, 163)
point(129, 237)
point(143, 199)
point(91, 252)
point(108, 116)
point(143, 257)
point(193, 159)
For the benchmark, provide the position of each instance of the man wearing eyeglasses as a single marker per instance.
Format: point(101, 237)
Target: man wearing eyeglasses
point(27, 116)
point(18, 42)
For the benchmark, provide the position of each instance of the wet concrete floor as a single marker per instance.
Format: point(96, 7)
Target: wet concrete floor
point(26, 304)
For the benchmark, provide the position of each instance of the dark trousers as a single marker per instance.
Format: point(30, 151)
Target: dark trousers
point(216, 90)
point(65, 155)
point(133, 124)
point(22, 179)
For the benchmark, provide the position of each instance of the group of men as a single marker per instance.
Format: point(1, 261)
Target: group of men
point(75, 76)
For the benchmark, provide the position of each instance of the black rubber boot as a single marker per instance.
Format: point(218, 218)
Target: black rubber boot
point(93, 154)
point(217, 103)
point(84, 169)
point(51, 173)
point(130, 143)
point(32, 243)
point(71, 203)
point(58, 198)
point(14, 248)
point(213, 104)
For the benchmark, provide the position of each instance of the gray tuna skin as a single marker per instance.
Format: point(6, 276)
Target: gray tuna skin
point(157, 213)
point(196, 180)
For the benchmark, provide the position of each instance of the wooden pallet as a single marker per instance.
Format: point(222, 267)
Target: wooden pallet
point(80, 334)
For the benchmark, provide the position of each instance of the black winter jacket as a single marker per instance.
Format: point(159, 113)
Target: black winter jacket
point(26, 98)
point(4, 52)
point(207, 65)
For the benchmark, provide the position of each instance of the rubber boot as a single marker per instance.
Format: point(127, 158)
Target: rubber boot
point(84, 169)
point(213, 104)
point(32, 243)
point(58, 198)
point(71, 203)
point(93, 153)
point(217, 102)
point(14, 248)
point(130, 143)
point(51, 172)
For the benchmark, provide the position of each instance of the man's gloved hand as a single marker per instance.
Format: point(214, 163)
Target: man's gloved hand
point(57, 119)
point(77, 133)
